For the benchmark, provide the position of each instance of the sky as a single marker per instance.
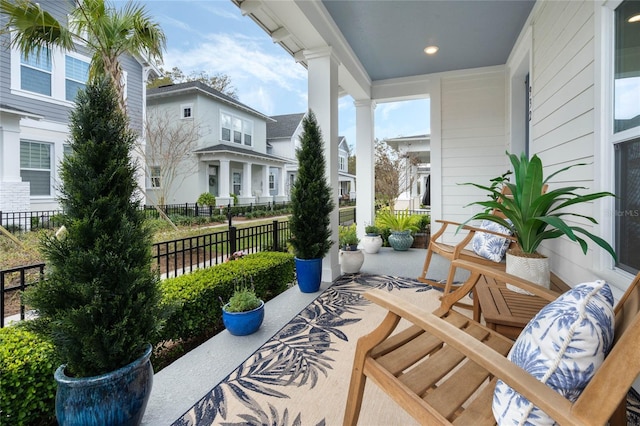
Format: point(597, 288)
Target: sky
point(213, 36)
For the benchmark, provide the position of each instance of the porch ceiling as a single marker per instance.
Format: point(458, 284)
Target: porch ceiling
point(383, 40)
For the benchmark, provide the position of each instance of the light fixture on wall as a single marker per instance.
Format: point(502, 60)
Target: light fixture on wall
point(431, 50)
point(634, 18)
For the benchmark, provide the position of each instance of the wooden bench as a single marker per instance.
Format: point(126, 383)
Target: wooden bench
point(442, 369)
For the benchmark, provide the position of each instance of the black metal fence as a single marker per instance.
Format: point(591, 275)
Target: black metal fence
point(13, 282)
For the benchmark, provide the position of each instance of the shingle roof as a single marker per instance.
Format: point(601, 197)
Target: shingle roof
point(239, 150)
point(284, 125)
point(201, 87)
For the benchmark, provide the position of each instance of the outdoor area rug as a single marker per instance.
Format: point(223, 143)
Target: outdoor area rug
point(301, 375)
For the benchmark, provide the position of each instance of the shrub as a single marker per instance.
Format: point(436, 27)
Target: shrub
point(26, 377)
point(195, 298)
point(206, 199)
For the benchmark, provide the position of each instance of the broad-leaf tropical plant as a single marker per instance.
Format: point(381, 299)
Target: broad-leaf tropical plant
point(398, 221)
point(533, 216)
point(106, 31)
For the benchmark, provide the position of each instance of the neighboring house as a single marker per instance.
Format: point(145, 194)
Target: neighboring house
point(283, 138)
point(229, 155)
point(414, 179)
point(36, 96)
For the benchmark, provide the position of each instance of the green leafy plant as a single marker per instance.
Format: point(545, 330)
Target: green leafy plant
point(423, 222)
point(100, 302)
point(347, 236)
point(244, 299)
point(533, 216)
point(372, 230)
point(397, 221)
point(206, 199)
point(311, 196)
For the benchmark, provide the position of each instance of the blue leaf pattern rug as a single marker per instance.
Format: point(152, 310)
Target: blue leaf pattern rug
point(301, 375)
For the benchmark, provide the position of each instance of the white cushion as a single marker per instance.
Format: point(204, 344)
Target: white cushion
point(562, 346)
point(491, 246)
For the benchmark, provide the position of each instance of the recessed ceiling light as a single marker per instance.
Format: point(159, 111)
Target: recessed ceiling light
point(430, 50)
point(635, 18)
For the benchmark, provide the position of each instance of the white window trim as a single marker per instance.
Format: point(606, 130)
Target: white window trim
point(58, 79)
point(605, 157)
point(244, 122)
point(184, 107)
point(52, 164)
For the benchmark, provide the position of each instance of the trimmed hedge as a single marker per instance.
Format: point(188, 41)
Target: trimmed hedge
point(28, 361)
point(195, 298)
point(26, 377)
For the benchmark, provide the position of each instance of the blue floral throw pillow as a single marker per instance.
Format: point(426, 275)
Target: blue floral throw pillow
point(491, 246)
point(562, 346)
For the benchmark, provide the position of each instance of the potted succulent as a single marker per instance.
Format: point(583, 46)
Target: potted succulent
point(533, 216)
point(351, 258)
point(311, 205)
point(244, 312)
point(99, 303)
point(372, 241)
point(401, 224)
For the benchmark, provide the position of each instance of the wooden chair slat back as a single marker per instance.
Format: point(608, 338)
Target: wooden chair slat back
point(627, 307)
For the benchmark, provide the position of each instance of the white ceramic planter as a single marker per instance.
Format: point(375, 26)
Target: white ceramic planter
point(351, 261)
point(534, 269)
point(371, 243)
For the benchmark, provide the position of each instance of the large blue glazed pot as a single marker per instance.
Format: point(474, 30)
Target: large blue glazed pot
point(400, 240)
point(243, 323)
point(115, 398)
point(309, 274)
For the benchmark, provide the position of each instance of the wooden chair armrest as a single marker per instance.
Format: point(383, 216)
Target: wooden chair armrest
point(478, 270)
point(551, 402)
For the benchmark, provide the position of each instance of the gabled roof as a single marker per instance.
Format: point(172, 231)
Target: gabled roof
point(283, 126)
point(238, 150)
point(203, 89)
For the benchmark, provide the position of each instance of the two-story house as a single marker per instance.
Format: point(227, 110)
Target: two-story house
point(229, 156)
point(414, 177)
point(283, 138)
point(36, 96)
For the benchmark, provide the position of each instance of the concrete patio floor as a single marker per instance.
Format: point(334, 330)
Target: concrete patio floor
point(178, 386)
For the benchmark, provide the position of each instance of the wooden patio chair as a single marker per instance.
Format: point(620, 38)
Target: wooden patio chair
point(443, 368)
point(460, 251)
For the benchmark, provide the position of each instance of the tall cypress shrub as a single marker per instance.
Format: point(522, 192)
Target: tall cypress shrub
point(311, 196)
point(100, 300)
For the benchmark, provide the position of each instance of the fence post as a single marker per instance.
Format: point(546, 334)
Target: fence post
point(276, 243)
point(229, 215)
point(232, 239)
point(196, 210)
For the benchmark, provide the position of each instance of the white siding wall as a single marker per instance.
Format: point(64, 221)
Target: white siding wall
point(473, 139)
point(562, 123)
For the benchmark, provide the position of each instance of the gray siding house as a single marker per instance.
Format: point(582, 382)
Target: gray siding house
point(228, 157)
point(36, 97)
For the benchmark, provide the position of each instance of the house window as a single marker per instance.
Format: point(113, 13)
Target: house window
point(272, 181)
point(237, 183)
point(36, 73)
point(235, 129)
point(76, 76)
point(35, 166)
point(626, 127)
point(343, 163)
point(154, 176)
point(186, 111)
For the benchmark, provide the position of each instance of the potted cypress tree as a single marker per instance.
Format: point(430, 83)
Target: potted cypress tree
point(100, 301)
point(311, 206)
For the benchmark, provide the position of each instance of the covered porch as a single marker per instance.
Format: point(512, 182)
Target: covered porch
point(517, 76)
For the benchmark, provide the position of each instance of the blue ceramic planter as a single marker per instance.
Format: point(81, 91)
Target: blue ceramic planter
point(116, 398)
point(400, 240)
point(243, 323)
point(309, 274)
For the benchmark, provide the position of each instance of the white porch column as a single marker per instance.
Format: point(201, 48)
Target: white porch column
point(223, 179)
point(14, 193)
point(322, 68)
point(266, 195)
point(246, 179)
point(365, 166)
point(282, 185)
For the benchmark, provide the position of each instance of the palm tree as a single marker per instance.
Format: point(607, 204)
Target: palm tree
point(107, 33)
